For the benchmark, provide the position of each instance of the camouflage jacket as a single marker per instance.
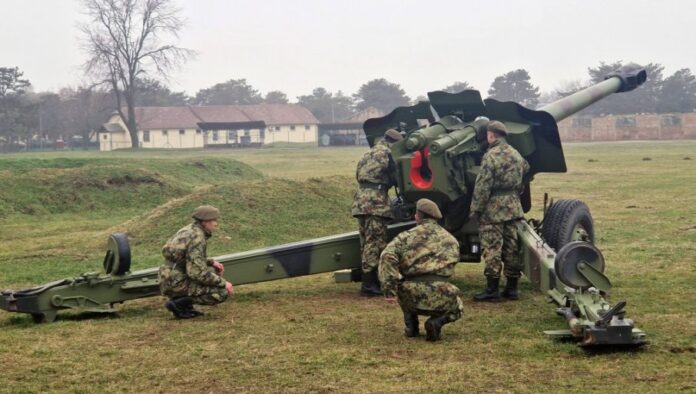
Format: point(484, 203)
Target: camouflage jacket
point(426, 249)
point(186, 251)
point(499, 184)
point(374, 168)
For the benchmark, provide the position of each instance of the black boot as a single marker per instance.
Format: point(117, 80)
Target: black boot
point(182, 308)
point(490, 293)
point(370, 284)
point(411, 324)
point(510, 290)
point(433, 327)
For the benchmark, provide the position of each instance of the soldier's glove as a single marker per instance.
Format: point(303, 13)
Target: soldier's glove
point(229, 288)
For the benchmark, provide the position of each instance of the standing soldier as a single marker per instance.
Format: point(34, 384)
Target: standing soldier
point(415, 268)
point(375, 175)
point(496, 205)
point(187, 276)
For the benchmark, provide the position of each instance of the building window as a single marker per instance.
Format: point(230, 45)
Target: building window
point(182, 131)
point(106, 136)
point(670, 120)
point(216, 135)
point(146, 136)
point(232, 134)
point(625, 121)
point(277, 128)
point(247, 133)
point(292, 128)
point(198, 131)
point(164, 132)
point(581, 123)
point(306, 127)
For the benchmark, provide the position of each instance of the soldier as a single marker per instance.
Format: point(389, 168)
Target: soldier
point(415, 267)
point(187, 276)
point(375, 175)
point(496, 206)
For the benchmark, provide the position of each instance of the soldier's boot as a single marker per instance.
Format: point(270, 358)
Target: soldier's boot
point(433, 327)
point(182, 308)
point(510, 290)
point(186, 304)
point(370, 284)
point(410, 324)
point(490, 293)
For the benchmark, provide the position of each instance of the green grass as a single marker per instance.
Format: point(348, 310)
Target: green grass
point(310, 334)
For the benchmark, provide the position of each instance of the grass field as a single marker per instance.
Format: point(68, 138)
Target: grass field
point(310, 334)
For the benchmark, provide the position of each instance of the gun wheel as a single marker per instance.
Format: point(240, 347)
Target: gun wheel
point(118, 255)
point(567, 221)
point(570, 257)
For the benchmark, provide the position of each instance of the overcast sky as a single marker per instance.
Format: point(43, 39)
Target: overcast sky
point(295, 46)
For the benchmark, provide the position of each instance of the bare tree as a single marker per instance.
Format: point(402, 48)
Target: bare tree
point(125, 41)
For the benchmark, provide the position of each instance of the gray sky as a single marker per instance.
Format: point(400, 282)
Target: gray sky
point(295, 46)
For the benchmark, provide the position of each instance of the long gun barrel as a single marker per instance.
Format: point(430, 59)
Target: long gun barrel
point(623, 80)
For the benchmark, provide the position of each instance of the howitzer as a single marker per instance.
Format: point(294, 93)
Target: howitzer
point(438, 159)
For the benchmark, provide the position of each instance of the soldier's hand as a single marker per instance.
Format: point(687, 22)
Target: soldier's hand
point(218, 267)
point(229, 288)
point(390, 299)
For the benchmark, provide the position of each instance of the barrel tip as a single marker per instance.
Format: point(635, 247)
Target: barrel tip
point(631, 75)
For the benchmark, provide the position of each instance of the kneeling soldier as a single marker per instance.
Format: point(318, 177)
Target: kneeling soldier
point(415, 267)
point(187, 276)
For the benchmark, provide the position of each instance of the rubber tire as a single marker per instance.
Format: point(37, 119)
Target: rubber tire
point(120, 265)
point(562, 218)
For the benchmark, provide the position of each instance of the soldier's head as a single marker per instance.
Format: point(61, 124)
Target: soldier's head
point(392, 136)
point(427, 209)
point(496, 130)
point(207, 216)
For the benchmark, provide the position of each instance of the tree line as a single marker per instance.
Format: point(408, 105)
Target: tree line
point(131, 53)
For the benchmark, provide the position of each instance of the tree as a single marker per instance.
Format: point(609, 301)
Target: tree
point(151, 93)
point(457, 87)
point(127, 40)
point(327, 107)
point(17, 110)
point(84, 110)
point(678, 93)
point(381, 94)
point(11, 82)
point(515, 86)
point(276, 97)
point(232, 92)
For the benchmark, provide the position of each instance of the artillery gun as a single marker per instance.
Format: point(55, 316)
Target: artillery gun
point(438, 159)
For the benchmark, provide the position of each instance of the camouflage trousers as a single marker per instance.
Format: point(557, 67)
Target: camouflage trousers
point(373, 239)
point(499, 248)
point(431, 299)
point(174, 284)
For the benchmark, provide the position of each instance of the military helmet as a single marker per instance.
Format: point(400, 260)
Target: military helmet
point(429, 208)
point(206, 212)
point(498, 128)
point(392, 135)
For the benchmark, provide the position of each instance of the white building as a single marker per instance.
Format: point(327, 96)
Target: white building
point(212, 126)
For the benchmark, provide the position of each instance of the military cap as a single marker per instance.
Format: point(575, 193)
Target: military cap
point(498, 128)
point(206, 212)
point(393, 135)
point(429, 208)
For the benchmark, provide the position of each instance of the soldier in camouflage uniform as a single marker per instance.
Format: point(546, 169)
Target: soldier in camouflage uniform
point(375, 175)
point(415, 267)
point(187, 275)
point(496, 205)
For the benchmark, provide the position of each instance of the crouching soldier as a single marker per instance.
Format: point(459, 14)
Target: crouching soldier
point(414, 269)
point(187, 276)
